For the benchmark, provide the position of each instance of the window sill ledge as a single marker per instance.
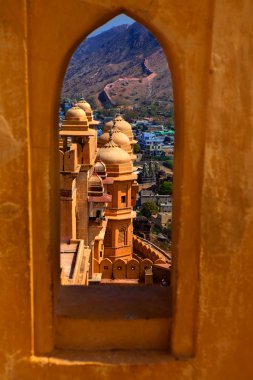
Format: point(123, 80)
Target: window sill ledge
point(113, 317)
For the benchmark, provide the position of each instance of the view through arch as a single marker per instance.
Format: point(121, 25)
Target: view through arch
point(116, 140)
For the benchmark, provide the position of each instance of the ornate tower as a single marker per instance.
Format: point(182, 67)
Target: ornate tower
point(119, 124)
point(78, 153)
point(118, 239)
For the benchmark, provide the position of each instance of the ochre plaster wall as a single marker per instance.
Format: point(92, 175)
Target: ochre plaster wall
point(209, 45)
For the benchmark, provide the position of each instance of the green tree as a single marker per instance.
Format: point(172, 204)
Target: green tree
point(165, 188)
point(137, 148)
point(168, 163)
point(148, 209)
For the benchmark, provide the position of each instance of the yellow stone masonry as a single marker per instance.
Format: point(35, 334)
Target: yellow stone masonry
point(209, 46)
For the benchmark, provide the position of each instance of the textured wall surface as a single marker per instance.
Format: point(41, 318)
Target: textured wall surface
point(209, 45)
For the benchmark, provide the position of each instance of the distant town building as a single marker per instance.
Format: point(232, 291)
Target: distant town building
point(163, 201)
point(149, 172)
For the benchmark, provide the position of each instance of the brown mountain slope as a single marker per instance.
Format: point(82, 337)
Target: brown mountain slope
point(122, 66)
point(154, 86)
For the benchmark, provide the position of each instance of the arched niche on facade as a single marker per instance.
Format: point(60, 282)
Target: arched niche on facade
point(122, 237)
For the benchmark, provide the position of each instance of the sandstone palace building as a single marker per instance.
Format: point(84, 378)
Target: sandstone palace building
point(98, 190)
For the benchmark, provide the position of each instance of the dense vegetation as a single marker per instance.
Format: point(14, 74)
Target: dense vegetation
point(148, 209)
point(165, 188)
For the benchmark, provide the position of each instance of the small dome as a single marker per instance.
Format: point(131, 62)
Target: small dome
point(117, 136)
point(122, 124)
point(111, 153)
point(95, 179)
point(84, 105)
point(100, 169)
point(75, 113)
point(95, 185)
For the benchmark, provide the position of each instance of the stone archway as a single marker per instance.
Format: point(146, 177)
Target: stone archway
point(75, 21)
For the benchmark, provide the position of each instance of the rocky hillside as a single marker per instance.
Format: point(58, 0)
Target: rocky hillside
point(122, 66)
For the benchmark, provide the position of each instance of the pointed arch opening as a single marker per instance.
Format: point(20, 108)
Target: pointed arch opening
point(184, 302)
point(116, 133)
point(119, 73)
